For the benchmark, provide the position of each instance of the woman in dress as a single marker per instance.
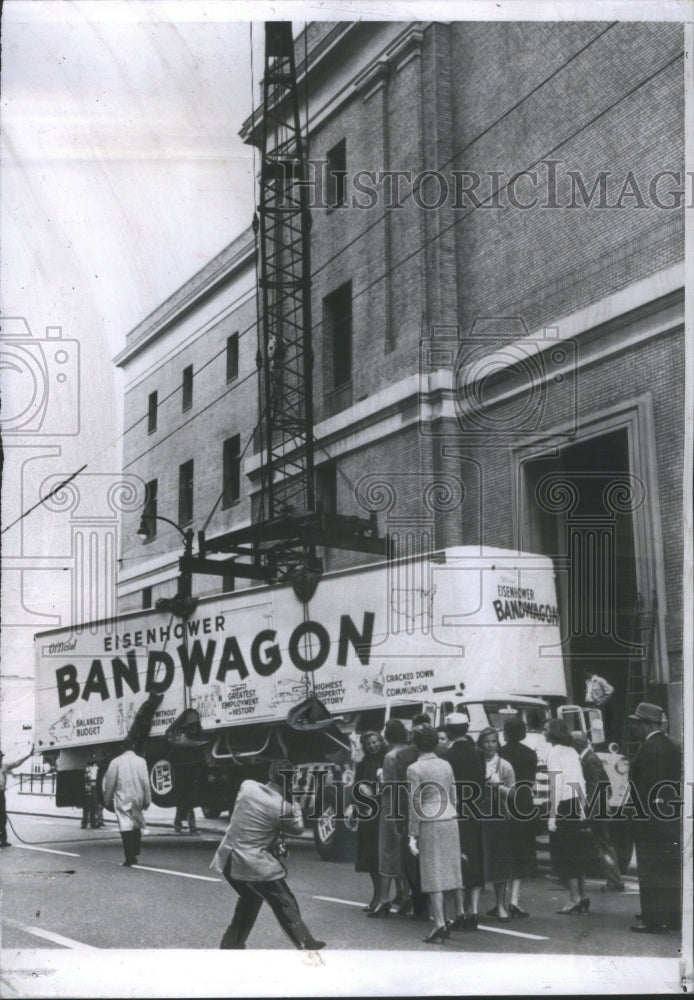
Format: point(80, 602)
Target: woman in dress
point(566, 824)
point(369, 769)
point(496, 842)
point(390, 829)
point(433, 830)
point(522, 830)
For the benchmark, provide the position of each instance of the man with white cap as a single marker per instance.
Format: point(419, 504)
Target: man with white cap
point(655, 775)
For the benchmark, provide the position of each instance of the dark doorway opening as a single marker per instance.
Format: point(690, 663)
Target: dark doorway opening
point(579, 516)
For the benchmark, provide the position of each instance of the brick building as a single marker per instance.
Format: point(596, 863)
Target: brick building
point(497, 253)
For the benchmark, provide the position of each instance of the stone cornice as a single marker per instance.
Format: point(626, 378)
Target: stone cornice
point(218, 272)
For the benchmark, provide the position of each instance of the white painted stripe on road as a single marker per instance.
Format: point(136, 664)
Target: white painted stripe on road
point(520, 934)
point(49, 935)
point(45, 850)
point(481, 927)
point(167, 871)
point(333, 899)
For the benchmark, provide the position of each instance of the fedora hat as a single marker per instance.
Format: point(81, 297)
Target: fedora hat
point(646, 712)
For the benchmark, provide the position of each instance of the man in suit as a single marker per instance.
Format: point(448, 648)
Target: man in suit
point(469, 772)
point(598, 786)
point(246, 860)
point(655, 776)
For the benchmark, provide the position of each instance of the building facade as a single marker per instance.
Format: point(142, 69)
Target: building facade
point(497, 260)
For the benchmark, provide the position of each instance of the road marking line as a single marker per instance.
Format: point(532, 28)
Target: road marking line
point(49, 935)
point(167, 871)
point(481, 927)
point(333, 899)
point(45, 850)
point(521, 934)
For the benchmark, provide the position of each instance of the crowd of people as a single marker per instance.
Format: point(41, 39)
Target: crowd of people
point(452, 817)
point(440, 854)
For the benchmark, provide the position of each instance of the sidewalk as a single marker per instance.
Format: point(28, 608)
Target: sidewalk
point(157, 818)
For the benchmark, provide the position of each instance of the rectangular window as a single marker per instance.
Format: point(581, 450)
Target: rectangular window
point(185, 493)
point(152, 413)
point(336, 175)
point(232, 357)
point(326, 487)
point(146, 598)
point(149, 514)
point(187, 387)
point(231, 466)
point(337, 348)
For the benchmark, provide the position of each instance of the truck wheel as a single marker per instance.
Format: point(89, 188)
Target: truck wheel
point(335, 839)
point(162, 780)
point(211, 812)
point(620, 836)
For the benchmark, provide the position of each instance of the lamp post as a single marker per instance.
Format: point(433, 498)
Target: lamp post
point(183, 603)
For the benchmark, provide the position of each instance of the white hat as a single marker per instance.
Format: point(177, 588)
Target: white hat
point(457, 719)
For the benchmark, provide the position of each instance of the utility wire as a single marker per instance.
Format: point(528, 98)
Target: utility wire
point(427, 243)
point(55, 490)
point(343, 249)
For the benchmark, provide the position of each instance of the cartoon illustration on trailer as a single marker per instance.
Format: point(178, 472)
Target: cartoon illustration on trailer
point(207, 705)
point(374, 685)
point(130, 716)
point(64, 727)
point(403, 603)
point(287, 692)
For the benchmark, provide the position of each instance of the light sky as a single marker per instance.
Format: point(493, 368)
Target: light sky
point(122, 175)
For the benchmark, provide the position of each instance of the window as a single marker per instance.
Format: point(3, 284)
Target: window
point(231, 465)
point(146, 598)
point(185, 493)
point(152, 413)
point(326, 487)
point(187, 387)
point(232, 357)
point(336, 175)
point(149, 514)
point(337, 347)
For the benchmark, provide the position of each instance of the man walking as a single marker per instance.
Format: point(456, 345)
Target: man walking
point(127, 792)
point(598, 785)
point(90, 808)
point(245, 857)
point(4, 770)
point(655, 775)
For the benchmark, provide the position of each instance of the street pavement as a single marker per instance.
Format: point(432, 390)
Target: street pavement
point(64, 887)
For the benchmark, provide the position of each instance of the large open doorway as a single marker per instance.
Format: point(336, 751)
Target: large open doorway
point(579, 503)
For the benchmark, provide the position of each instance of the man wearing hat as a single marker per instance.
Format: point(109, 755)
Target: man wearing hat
point(4, 769)
point(655, 776)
